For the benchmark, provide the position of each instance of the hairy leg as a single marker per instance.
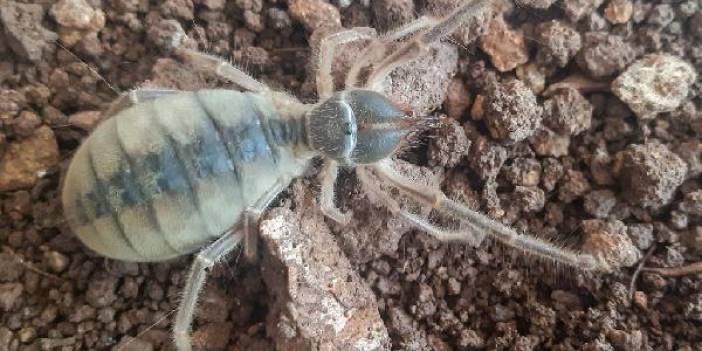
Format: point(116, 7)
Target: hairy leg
point(377, 49)
point(504, 234)
point(325, 81)
point(328, 178)
point(134, 97)
point(470, 234)
point(221, 68)
point(252, 215)
point(196, 279)
point(421, 42)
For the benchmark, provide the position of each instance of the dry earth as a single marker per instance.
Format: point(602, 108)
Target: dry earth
point(577, 120)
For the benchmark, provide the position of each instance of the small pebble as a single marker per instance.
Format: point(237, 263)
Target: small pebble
point(524, 172)
point(85, 120)
point(314, 14)
point(533, 76)
point(24, 162)
point(27, 334)
point(178, 9)
point(661, 15)
point(458, 98)
point(449, 146)
point(599, 203)
point(167, 35)
point(56, 261)
point(129, 343)
point(654, 84)
point(507, 48)
point(692, 239)
point(608, 241)
point(528, 198)
point(568, 112)
point(5, 338)
point(25, 124)
point(278, 18)
point(391, 13)
point(573, 186)
point(577, 9)
point(641, 235)
point(10, 295)
point(536, 4)
point(557, 43)
point(640, 299)
point(77, 14)
point(649, 174)
point(619, 11)
point(454, 286)
point(604, 54)
point(692, 203)
point(512, 113)
point(546, 142)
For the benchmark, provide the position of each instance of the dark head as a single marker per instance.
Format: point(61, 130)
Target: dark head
point(357, 127)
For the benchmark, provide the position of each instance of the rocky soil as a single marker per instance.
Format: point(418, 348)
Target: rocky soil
point(576, 120)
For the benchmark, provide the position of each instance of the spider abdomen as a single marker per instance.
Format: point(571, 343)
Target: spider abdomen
point(164, 177)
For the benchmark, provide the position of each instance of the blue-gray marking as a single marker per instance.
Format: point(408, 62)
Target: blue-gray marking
point(101, 201)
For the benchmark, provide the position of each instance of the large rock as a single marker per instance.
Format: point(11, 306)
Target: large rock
point(319, 301)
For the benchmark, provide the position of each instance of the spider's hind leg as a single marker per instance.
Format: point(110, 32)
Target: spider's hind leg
point(221, 68)
point(325, 56)
point(134, 97)
point(196, 280)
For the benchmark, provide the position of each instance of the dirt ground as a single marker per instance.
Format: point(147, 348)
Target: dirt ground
point(575, 120)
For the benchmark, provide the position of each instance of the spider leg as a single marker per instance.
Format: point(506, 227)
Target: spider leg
point(502, 233)
point(328, 178)
point(421, 42)
point(328, 44)
point(252, 216)
point(221, 68)
point(134, 97)
point(196, 279)
point(471, 234)
point(378, 47)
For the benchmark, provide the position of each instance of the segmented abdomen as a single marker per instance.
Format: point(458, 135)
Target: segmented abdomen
point(164, 177)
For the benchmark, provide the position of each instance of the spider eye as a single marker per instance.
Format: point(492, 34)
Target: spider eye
point(348, 128)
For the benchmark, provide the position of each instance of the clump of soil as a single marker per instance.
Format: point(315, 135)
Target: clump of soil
point(610, 158)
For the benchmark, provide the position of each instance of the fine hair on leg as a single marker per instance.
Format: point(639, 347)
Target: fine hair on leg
point(204, 260)
point(327, 47)
point(328, 177)
point(500, 232)
point(133, 97)
point(378, 47)
point(421, 42)
point(470, 234)
point(221, 68)
point(252, 216)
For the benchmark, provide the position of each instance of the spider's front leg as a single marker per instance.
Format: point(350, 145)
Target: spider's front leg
point(429, 32)
point(328, 177)
point(325, 56)
point(476, 221)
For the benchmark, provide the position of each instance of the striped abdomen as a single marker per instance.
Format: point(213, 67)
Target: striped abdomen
point(164, 177)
